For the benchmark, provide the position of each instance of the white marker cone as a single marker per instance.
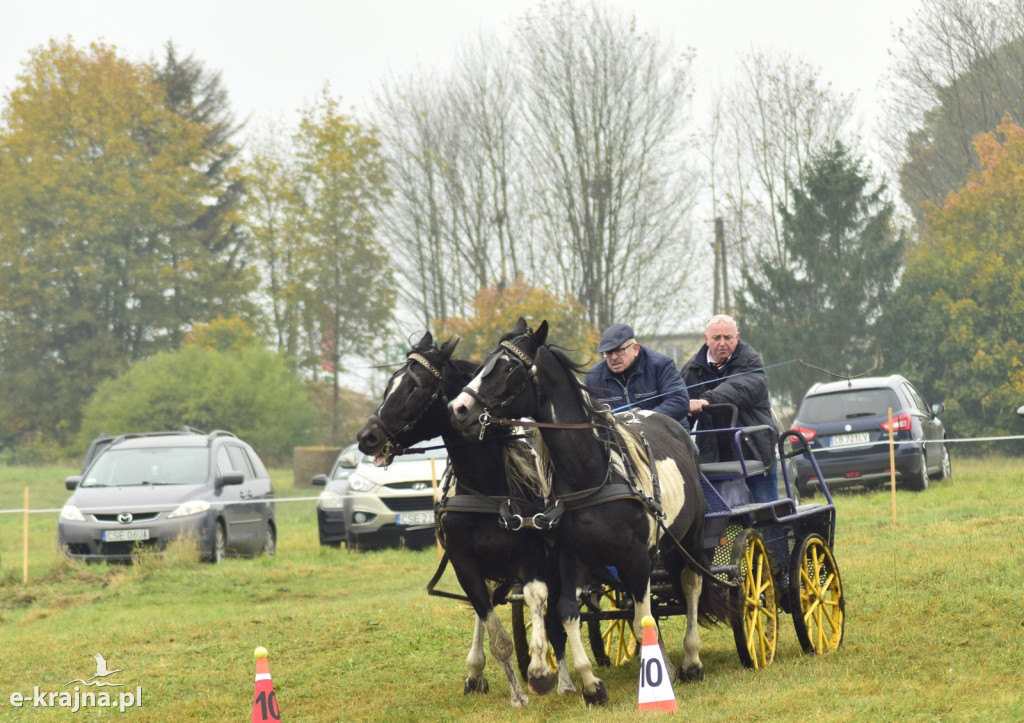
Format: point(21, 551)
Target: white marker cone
point(655, 685)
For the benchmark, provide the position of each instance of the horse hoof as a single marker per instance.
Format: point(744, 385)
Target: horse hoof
point(476, 685)
point(691, 673)
point(542, 685)
point(598, 697)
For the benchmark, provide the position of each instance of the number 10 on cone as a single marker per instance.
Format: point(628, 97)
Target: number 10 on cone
point(655, 686)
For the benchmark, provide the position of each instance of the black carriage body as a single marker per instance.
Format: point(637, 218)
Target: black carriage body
point(783, 526)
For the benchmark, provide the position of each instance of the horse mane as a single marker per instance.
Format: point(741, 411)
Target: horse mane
point(528, 466)
point(573, 371)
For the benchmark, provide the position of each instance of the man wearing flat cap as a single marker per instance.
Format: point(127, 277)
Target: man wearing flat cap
point(635, 377)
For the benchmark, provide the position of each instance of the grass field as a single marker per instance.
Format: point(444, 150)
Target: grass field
point(934, 630)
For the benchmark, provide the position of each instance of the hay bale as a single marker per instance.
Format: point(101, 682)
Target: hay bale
point(310, 461)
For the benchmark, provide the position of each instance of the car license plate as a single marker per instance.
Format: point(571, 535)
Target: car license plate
point(416, 518)
point(846, 440)
point(125, 535)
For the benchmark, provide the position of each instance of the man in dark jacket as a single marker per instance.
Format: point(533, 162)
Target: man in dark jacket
point(636, 377)
point(726, 370)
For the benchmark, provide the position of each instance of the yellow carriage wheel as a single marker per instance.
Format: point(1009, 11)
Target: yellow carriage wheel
point(816, 592)
point(755, 620)
point(611, 640)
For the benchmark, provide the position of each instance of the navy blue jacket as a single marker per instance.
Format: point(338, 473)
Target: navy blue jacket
point(742, 382)
point(651, 383)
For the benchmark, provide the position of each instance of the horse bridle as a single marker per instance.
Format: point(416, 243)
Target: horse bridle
point(529, 376)
point(391, 445)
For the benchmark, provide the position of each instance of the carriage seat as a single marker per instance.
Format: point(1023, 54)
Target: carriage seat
point(715, 471)
point(729, 479)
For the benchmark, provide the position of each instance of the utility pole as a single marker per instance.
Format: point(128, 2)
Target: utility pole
point(721, 296)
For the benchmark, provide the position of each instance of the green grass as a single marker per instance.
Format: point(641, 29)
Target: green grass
point(934, 631)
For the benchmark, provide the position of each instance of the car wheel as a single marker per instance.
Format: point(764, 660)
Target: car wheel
point(918, 482)
point(220, 543)
point(946, 468)
point(806, 488)
point(270, 541)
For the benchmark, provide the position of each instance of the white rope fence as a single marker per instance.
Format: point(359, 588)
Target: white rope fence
point(163, 508)
point(314, 498)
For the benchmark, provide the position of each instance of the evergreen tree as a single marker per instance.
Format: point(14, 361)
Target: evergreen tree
point(115, 231)
point(198, 96)
point(845, 253)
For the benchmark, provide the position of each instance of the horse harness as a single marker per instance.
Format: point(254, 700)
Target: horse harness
point(603, 492)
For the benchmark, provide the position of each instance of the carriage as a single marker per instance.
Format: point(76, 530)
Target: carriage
point(761, 556)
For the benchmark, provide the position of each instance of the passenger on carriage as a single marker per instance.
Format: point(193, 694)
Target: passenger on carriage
point(636, 377)
point(726, 370)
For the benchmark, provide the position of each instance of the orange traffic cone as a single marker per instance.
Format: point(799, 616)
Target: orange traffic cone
point(655, 686)
point(264, 702)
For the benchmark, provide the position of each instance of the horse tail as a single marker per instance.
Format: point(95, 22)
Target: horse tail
point(715, 604)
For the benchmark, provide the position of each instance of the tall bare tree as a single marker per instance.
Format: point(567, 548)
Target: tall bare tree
point(457, 217)
point(418, 226)
point(607, 105)
point(777, 115)
point(958, 68)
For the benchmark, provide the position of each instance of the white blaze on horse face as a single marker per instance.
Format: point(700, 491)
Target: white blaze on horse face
point(396, 381)
point(464, 400)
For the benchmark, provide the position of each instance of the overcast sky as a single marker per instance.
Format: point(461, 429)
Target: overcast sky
point(275, 56)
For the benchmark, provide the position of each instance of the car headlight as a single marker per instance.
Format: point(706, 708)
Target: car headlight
point(330, 500)
point(359, 483)
point(192, 507)
point(70, 512)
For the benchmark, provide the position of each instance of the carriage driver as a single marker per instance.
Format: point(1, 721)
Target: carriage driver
point(727, 370)
point(637, 377)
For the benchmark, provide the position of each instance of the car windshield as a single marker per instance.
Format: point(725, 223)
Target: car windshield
point(851, 404)
point(152, 466)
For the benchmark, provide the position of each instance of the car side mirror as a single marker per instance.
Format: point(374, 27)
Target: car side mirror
point(938, 408)
point(72, 482)
point(319, 480)
point(1020, 411)
point(231, 478)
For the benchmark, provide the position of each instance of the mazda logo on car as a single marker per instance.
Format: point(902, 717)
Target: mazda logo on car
point(124, 518)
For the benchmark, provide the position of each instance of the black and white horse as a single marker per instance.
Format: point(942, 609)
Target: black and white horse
point(613, 498)
point(500, 468)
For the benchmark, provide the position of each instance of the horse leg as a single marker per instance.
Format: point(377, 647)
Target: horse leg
point(565, 684)
point(475, 661)
point(692, 669)
point(539, 677)
point(502, 649)
point(594, 692)
point(640, 611)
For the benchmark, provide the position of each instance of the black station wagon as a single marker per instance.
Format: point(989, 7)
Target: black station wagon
point(847, 424)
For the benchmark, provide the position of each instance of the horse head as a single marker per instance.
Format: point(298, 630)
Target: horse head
point(414, 403)
point(505, 384)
